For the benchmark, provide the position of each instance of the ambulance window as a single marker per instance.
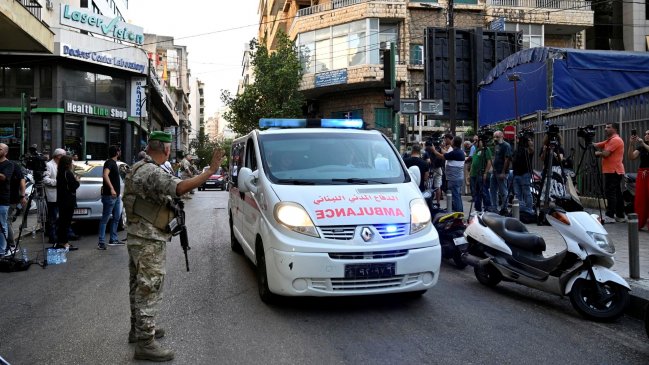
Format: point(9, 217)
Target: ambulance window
point(251, 156)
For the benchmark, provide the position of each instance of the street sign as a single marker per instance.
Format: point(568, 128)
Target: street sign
point(409, 106)
point(509, 132)
point(432, 106)
point(498, 24)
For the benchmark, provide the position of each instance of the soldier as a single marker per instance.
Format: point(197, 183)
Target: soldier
point(148, 189)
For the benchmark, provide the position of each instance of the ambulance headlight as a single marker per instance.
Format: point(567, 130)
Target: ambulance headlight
point(294, 217)
point(419, 215)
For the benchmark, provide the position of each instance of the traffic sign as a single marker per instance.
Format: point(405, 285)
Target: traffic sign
point(409, 106)
point(509, 132)
point(432, 106)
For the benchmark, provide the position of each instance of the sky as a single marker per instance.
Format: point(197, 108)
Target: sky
point(215, 33)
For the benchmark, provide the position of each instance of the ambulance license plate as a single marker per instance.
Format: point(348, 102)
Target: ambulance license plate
point(370, 271)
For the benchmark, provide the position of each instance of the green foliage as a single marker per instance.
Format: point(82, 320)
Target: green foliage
point(274, 94)
point(203, 148)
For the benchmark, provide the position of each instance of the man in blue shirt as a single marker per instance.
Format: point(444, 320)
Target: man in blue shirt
point(454, 172)
point(501, 161)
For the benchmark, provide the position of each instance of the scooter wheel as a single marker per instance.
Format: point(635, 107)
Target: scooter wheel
point(487, 275)
point(457, 259)
point(603, 304)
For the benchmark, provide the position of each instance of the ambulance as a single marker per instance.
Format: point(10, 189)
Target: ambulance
point(325, 208)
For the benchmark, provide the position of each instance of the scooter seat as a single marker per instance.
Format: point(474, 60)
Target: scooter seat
point(514, 233)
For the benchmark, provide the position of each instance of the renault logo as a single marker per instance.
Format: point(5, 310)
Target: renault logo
point(366, 234)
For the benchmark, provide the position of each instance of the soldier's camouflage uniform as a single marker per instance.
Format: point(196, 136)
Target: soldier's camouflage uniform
point(146, 243)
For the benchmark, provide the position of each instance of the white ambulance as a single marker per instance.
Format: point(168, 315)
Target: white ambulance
point(324, 208)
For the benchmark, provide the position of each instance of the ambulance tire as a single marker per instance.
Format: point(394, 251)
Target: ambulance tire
point(262, 277)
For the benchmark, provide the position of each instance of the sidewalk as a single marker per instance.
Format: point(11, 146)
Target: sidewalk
point(619, 234)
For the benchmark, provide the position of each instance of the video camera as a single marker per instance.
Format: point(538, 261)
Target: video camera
point(526, 133)
point(36, 162)
point(485, 134)
point(553, 131)
point(435, 140)
point(586, 132)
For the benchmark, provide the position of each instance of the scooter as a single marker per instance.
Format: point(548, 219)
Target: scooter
point(450, 226)
point(501, 248)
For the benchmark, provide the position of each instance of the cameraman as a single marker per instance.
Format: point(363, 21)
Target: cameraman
point(523, 172)
point(502, 159)
point(612, 153)
point(435, 167)
point(454, 171)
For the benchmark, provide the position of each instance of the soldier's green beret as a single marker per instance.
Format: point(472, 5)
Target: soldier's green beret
point(160, 136)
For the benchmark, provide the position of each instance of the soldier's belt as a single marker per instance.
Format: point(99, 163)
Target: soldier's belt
point(158, 215)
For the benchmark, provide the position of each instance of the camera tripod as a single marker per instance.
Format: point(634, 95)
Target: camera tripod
point(588, 150)
point(37, 195)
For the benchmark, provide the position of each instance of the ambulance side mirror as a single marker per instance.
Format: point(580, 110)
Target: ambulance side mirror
point(247, 180)
point(415, 175)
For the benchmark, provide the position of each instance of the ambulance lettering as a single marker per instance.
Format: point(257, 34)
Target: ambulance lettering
point(357, 212)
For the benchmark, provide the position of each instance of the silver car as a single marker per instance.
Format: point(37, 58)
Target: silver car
point(89, 205)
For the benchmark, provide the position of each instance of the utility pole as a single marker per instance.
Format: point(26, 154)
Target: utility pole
point(420, 115)
point(393, 86)
point(22, 124)
point(451, 65)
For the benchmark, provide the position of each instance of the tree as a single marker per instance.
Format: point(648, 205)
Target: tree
point(203, 148)
point(274, 93)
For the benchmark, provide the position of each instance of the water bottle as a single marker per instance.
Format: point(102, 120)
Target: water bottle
point(23, 252)
point(33, 233)
point(51, 256)
point(64, 257)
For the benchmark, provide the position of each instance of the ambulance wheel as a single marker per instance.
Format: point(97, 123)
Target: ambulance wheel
point(262, 277)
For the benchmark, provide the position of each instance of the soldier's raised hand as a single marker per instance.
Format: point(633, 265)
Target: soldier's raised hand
point(217, 158)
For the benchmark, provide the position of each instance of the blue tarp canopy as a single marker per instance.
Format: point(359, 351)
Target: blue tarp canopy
point(558, 78)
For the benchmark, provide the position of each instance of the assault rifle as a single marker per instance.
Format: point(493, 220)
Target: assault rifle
point(177, 226)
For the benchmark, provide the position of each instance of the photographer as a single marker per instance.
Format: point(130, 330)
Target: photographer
point(640, 148)
point(523, 171)
point(498, 184)
point(454, 171)
point(612, 153)
point(436, 164)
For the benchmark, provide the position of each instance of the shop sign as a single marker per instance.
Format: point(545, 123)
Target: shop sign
point(101, 58)
point(94, 23)
point(138, 98)
point(328, 78)
point(95, 110)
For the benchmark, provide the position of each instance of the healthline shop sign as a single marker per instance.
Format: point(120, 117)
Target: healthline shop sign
point(110, 27)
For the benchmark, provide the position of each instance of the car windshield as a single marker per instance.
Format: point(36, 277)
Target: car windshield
point(330, 159)
point(92, 172)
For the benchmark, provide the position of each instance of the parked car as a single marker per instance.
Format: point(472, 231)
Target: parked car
point(89, 206)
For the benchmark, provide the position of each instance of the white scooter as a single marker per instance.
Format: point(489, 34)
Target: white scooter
point(501, 248)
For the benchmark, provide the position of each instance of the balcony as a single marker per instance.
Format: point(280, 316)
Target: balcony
point(22, 28)
point(569, 15)
point(344, 11)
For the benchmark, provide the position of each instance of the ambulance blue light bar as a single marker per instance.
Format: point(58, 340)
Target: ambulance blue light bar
point(310, 123)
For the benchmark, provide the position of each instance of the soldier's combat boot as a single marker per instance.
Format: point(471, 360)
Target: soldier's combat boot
point(151, 350)
point(159, 333)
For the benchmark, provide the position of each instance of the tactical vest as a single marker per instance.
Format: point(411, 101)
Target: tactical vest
point(138, 208)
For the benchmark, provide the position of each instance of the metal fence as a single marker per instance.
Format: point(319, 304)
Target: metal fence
point(630, 110)
point(336, 4)
point(543, 4)
point(32, 6)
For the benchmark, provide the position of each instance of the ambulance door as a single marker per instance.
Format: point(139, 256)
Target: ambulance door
point(251, 212)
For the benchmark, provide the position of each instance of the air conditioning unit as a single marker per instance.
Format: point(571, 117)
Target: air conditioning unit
point(49, 4)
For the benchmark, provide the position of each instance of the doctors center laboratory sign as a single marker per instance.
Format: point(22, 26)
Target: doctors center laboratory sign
point(110, 27)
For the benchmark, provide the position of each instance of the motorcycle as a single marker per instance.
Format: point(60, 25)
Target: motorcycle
point(501, 248)
point(450, 226)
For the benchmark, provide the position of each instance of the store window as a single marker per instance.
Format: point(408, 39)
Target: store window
point(10, 134)
point(78, 85)
point(344, 45)
point(72, 136)
point(14, 81)
point(111, 90)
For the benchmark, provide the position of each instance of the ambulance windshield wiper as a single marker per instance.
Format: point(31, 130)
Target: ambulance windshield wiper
point(295, 182)
point(354, 180)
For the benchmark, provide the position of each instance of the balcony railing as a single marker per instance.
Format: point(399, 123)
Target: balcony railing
point(337, 4)
point(543, 4)
point(33, 7)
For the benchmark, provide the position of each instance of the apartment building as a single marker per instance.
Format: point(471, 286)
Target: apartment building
point(197, 115)
point(340, 42)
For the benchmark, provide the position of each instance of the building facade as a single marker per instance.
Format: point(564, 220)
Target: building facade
point(341, 43)
point(197, 115)
point(94, 89)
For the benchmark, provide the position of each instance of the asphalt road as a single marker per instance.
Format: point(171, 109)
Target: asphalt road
point(78, 313)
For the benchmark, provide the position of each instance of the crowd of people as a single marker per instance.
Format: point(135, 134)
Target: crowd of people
point(493, 171)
